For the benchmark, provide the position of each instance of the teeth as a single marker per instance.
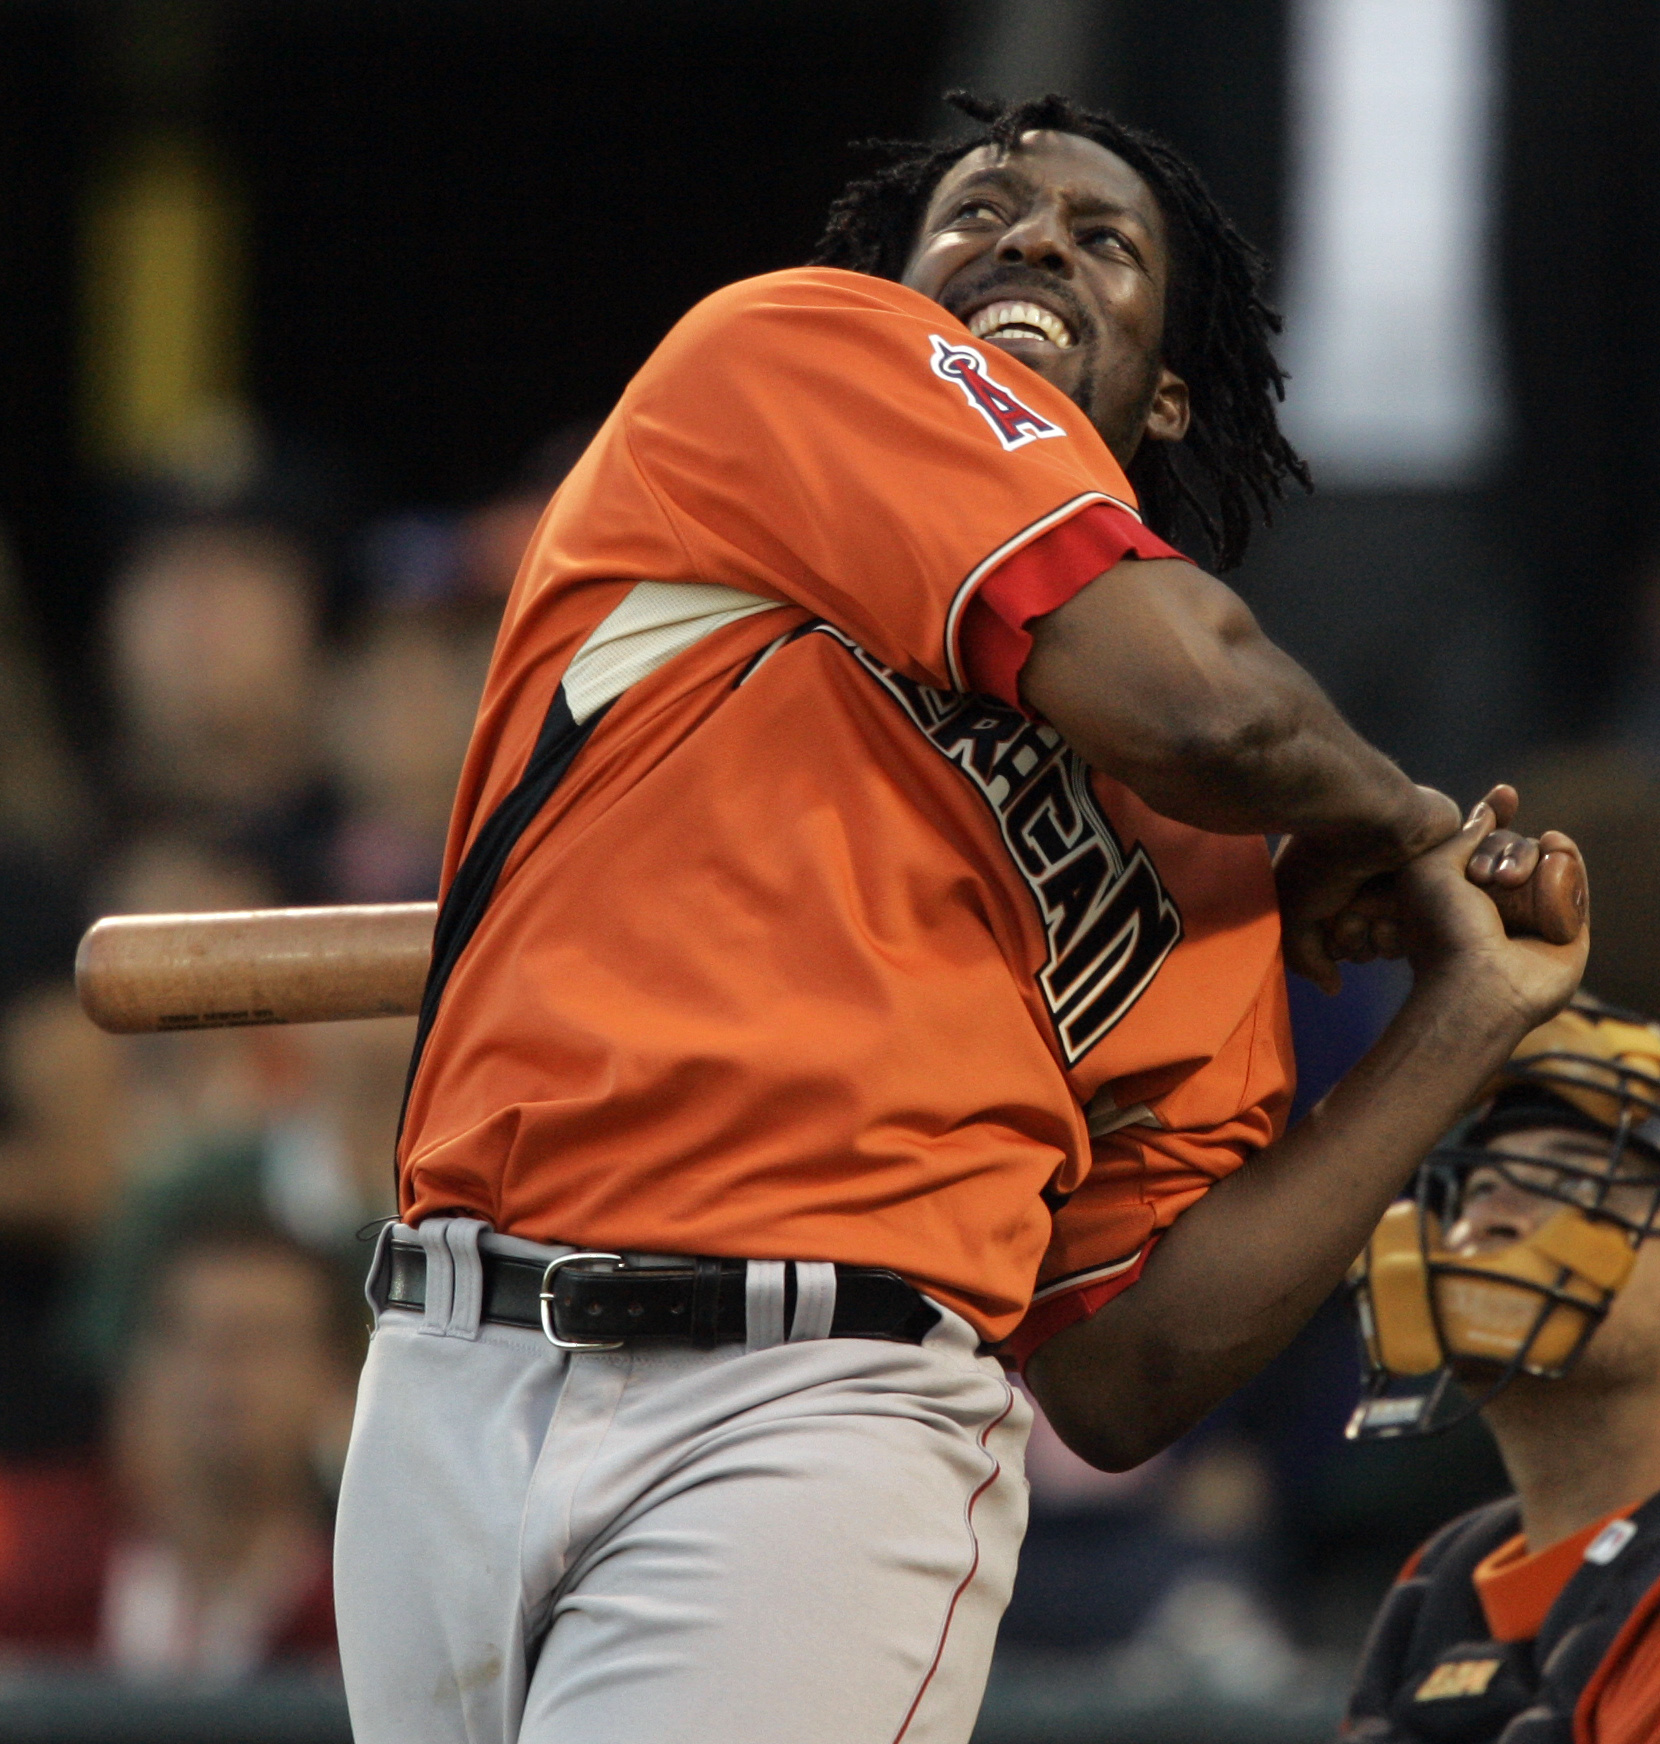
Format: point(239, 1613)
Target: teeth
point(1039, 323)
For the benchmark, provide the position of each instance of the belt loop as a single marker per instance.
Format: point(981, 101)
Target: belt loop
point(435, 1318)
point(763, 1304)
point(377, 1282)
point(705, 1327)
point(467, 1277)
point(455, 1276)
point(815, 1300)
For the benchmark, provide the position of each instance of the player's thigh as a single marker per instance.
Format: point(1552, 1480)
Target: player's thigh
point(826, 1577)
point(427, 1573)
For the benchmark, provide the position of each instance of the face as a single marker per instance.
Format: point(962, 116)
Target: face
point(232, 1383)
point(1056, 253)
point(1501, 1208)
point(214, 654)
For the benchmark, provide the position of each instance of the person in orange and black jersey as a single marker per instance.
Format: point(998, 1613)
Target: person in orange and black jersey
point(1526, 1271)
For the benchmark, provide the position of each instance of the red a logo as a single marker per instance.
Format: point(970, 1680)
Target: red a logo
point(1015, 424)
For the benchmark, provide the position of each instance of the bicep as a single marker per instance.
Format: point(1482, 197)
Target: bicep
point(1150, 661)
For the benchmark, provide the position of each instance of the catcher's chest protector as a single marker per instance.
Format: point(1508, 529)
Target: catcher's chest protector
point(1431, 1675)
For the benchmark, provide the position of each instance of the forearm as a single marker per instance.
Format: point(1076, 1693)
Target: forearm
point(1284, 762)
point(1159, 676)
point(1241, 1271)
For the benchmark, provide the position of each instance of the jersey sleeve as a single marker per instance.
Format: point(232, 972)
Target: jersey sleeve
point(1168, 1152)
point(1039, 579)
point(840, 443)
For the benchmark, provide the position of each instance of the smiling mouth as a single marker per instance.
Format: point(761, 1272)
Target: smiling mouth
point(1012, 320)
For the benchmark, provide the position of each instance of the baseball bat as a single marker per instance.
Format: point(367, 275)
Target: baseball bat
point(1552, 905)
point(145, 972)
point(141, 972)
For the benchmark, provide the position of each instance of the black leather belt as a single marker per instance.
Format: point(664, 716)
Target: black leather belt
point(581, 1301)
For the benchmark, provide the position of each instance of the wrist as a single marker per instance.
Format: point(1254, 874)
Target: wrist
point(1423, 818)
point(1428, 818)
point(1418, 819)
point(1465, 1012)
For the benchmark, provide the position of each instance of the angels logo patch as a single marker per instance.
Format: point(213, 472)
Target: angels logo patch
point(1108, 921)
point(1014, 423)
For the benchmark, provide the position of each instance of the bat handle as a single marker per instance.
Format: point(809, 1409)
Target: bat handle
point(1554, 903)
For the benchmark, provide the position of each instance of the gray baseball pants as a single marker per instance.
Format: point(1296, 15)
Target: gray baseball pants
point(802, 1541)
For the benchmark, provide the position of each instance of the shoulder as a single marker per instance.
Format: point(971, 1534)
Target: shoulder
point(811, 290)
point(1466, 1541)
point(806, 314)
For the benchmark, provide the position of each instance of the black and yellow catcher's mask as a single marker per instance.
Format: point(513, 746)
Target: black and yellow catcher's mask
point(1444, 1330)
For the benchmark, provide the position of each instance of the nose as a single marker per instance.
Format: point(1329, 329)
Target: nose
point(1499, 1216)
point(1040, 239)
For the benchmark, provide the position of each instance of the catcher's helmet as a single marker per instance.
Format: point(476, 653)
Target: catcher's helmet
point(1432, 1301)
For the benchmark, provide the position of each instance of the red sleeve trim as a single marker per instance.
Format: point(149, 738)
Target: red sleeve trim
point(1066, 1308)
point(1037, 579)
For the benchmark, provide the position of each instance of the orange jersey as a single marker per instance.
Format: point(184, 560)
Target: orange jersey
point(806, 950)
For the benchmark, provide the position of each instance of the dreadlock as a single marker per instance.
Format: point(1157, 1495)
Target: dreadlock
point(1217, 326)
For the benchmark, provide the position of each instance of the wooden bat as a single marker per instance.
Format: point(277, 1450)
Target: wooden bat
point(1554, 903)
point(143, 972)
point(138, 972)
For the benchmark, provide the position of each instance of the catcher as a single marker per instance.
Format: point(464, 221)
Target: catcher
point(1522, 1280)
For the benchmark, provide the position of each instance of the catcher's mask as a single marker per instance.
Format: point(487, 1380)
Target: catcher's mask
point(1439, 1305)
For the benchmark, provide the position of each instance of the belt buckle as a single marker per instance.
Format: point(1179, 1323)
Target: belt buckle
point(545, 1297)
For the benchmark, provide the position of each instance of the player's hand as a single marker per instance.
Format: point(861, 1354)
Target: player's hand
point(1322, 878)
point(1370, 926)
point(1452, 934)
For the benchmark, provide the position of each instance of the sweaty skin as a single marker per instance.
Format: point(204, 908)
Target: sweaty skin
point(1057, 253)
point(1243, 1268)
point(1066, 224)
point(1157, 673)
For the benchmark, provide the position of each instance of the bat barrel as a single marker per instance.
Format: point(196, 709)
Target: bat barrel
point(137, 973)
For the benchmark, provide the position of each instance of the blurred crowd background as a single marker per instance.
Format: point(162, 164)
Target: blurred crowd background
point(305, 308)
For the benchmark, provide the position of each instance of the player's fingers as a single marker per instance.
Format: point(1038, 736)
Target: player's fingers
point(1503, 858)
point(1386, 938)
point(1375, 898)
point(1306, 955)
point(1347, 934)
point(1503, 799)
point(1457, 851)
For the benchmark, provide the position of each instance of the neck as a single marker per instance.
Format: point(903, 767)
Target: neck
point(1565, 1480)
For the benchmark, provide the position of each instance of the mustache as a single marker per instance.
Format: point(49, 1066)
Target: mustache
point(1046, 288)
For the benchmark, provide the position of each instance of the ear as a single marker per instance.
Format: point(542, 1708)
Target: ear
point(1168, 412)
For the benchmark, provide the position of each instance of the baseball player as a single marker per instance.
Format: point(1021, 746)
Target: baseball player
point(1525, 1266)
point(859, 951)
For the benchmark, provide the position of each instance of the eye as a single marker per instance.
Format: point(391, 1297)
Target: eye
point(1104, 238)
point(981, 210)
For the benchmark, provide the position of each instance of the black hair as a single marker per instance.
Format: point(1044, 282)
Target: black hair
point(1234, 461)
point(223, 1231)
